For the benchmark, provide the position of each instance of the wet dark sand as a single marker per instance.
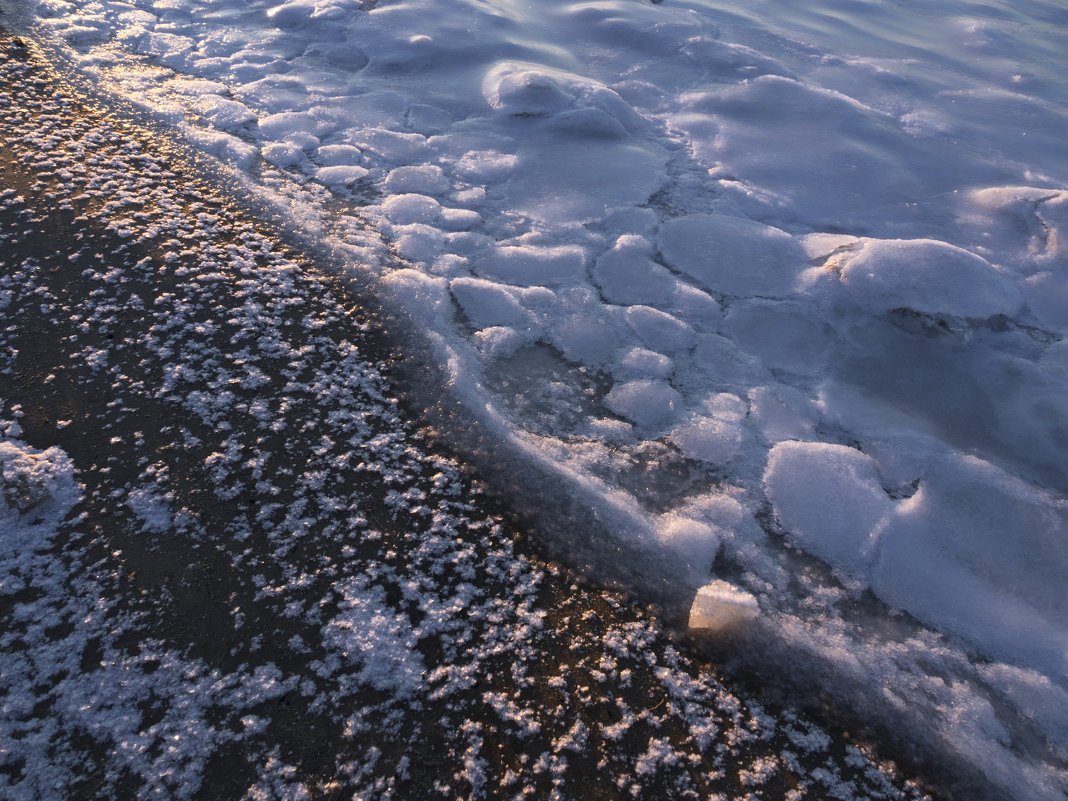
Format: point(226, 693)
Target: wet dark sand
point(273, 586)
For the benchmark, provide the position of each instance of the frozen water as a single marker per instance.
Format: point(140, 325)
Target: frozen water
point(718, 606)
point(923, 275)
point(813, 253)
point(732, 255)
point(842, 526)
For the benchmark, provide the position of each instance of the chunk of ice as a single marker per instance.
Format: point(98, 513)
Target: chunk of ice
point(719, 606)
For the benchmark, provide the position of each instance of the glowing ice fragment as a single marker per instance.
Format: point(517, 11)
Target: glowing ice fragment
point(719, 605)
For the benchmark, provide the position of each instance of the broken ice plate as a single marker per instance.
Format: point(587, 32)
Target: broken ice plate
point(719, 606)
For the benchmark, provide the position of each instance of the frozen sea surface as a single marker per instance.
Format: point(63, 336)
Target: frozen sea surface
point(778, 293)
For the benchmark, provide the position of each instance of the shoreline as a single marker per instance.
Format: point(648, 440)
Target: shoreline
point(191, 557)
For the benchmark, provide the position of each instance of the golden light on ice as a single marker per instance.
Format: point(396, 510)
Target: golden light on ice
point(719, 606)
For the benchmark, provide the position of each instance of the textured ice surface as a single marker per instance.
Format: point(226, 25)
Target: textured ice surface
point(850, 220)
